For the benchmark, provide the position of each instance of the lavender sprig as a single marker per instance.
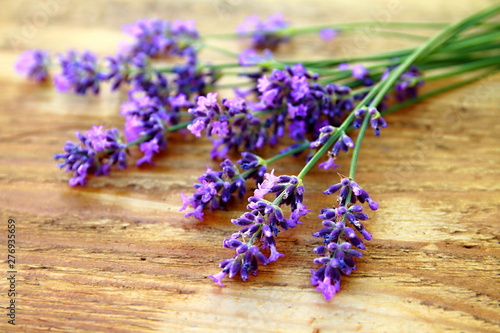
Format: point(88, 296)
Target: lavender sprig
point(264, 34)
point(97, 152)
point(156, 37)
point(337, 252)
point(262, 223)
point(215, 188)
point(80, 72)
point(34, 65)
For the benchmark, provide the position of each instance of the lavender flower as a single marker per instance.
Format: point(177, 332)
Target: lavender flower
point(407, 84)
point(343, 143)
point(264, 34)
point(80, 72)
point(33, 64)
point(97, 152)
point(215, 188)
point(146, 119)
point(232, 121)
point(250, 57)
point(358, 71)
point(309, 104)
point(376, 120)
point(122, 69)
point(190, 78)
point(148, 148)
point(262, 223)
point(253, 165)
point(97, 138)
point(345, 186)
point(337, 252)
point(156, 37)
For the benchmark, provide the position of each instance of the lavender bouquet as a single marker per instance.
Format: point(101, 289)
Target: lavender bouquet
point(311, 106)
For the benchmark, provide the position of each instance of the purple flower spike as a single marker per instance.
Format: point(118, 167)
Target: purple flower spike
point(97, 138)
point(33, 64)
point(329, 164)
point(156, 37)
point(408, 83)
point(250, 57)
point(264, 34)
point(196, 127)
point(80, 72)
point(376, 121)
point(261, 225)
point(215, 189)
point(97, 151)
point(122, 69)
point(338, 239)
point(327, 288)
point(359, 71)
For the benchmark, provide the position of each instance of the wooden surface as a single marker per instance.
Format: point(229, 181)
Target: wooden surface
point(117, 256)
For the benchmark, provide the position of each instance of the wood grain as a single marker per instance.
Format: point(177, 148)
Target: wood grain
point(117, 256)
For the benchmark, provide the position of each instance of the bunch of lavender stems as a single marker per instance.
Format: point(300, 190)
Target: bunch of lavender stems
point(340, 241)
point(351, 93)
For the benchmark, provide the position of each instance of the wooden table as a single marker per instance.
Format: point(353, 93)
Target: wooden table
point(117, 256)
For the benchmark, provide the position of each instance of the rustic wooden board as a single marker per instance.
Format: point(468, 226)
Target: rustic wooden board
point(117, 256)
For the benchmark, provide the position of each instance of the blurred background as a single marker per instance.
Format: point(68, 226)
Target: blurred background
point(95, 24)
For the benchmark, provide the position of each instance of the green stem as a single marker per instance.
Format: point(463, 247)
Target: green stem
point(291, 31)
point(379, 90)
point(393, 109)
point(428, 47)
point(336, 135)
point(396, 34)
point(463, 69)
point(460, 44)
point(430, 94)
point(357, 145)
point(433, 93)
point(219, 50)
point(297, 149)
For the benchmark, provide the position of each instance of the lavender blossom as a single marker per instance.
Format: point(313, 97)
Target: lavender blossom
point(407, 84)
point(309, 104)
point(358, 71)
point(345, 186)
point(33, 64)
point(233, 123)
point(123, 69)
point(156, 37)
point(253, 165)
point(97, 152)
point(262, 224)
point(337, 252)
point(217, 187)
point(344, 142)
point(376, 120)
point(191, 78)
point(146, 120)
point(250, 57)
point(80, 72)
point(264, 34)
